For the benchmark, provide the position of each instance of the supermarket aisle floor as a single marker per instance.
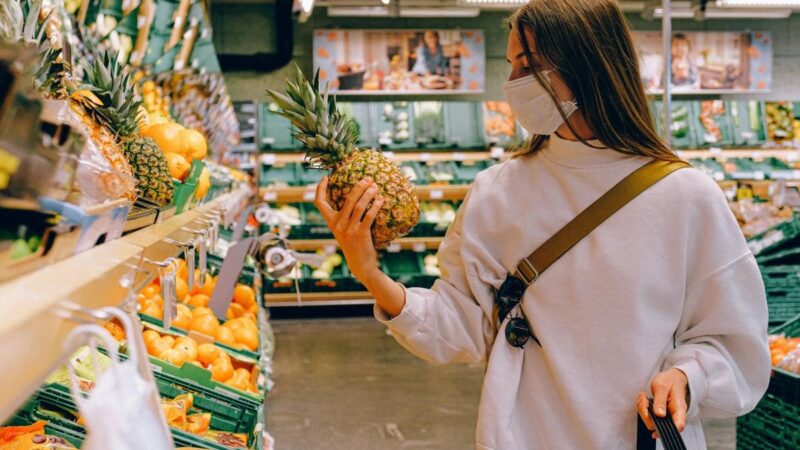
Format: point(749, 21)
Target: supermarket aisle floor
point(344, 384)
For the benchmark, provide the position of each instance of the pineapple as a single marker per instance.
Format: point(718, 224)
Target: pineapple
point(115, 108)
point(330, 138)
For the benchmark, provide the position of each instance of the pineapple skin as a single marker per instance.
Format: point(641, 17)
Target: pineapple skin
point(150, 168)
point(400, 211)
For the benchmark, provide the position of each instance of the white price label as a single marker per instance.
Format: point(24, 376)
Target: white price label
point(270, 196)
point(252, 121)
point(719, 176)
point(308, 196)
point(389, 155)
point(418, 247)
point(425, 157)
point(757, 155)
point(716, 151)
point(458, 156)
point(394, 248)
point(679, 153)
point(329, 249)
point(178, 21)
point(497, 152)
point(269, 159)
point(437, 194)
point(791, 156)
point(141, 20)
point(758, 175)
point(748, 135)
point(796, 174)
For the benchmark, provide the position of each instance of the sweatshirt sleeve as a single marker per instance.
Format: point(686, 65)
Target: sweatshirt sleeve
point(446, 323)
point(721, 342)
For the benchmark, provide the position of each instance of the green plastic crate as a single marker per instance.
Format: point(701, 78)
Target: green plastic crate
point(382, 123)
point(282, 175)
point(407, 269)
point(275, 131)
point(467, 171)
point(723, 121)
point(339, 280)
point(774, 239)
point(310, 176)
point(242, 355)
point(183, 196)
point(360, 113)
point(684, 123)
point(773, 425)
point(747, 120)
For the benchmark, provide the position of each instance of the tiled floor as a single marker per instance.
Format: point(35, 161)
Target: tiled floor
point(344, 384)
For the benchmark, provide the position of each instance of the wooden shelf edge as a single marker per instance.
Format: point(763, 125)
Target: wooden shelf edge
point(281, 158)
point(306, 194)
point(319, 299)
point(410, 243)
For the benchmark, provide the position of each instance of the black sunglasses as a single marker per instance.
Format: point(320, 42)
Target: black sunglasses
point(518, 330)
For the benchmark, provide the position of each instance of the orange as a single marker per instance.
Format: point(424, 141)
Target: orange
point(221, 370)
point(181, 288)
point(249, 322)
point(182, 321)
point(225, 336)
point(194, 144)
point(202, 311)
point(188, 346)
point(243, 373)
point(207, 353)
point(244, 295)
point(185, 310)
point(253, 309)
point(199, 300)
point(151, 290)
point(238, 383)
point(208, 287)
point(207, 325)
point(234, 311)
point(234, 324)
point(115, 330)
point(178, 166)
point(777, 359)
point(169, 339)
point(150, 335)
point(167, 136)
point(203, 184)
point(158, 300)
point(158, 346)
point(151, 309)
point(247, 337)
point(174, 356)
point(197, 289)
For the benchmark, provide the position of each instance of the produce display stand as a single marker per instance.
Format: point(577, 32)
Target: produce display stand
point(32, 305)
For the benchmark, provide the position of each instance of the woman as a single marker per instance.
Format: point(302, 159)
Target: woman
point(684, 71)
point(430, 56)
point(664, 299)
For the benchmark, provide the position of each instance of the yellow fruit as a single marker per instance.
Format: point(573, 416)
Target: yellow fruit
point(152, 309)
point(197, 289)
point(221, 370)
point(244, 295)
point(234, 311)
point(194, 144)
point(249, 321)
point(174, 356)
point(188, 346)
point(178, 166)
point(151, 290)
point(207, 353)
point(225, 336)
point(167, 136)
point(207, 325)
point(158, 346)
point(203, 184)
point(115, 329)
point(170, 340)
point(150, 335)
point(148, 86)
point(246, 337)
point(182, 321)
point(234, 324)
point(185, 310)
point(181, 288)
point(199, 300)
point(208, 287)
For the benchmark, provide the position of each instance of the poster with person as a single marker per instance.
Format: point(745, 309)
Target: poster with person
point(401, 61)
point(708, 62)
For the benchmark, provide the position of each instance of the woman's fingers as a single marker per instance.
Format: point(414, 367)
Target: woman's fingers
point(353, 197)
point(362, 204)
point(321, 202)
point(641, 406)
point(369, 218)
point(678, 407)
point(660, 388)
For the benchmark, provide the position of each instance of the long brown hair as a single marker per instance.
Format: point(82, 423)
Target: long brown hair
point(589, 44)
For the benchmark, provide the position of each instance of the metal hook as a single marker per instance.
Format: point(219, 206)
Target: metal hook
point(179, 243)
point(81, 314)
point(166, 263)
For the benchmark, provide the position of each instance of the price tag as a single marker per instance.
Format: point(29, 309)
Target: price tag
point(679, 153)
point(791, 156)
point(796, 174)
point(497, 152)
point(141, 20)
point(385, 141)
point(719, 176)
point(458, 156)
point(268, 141)
point(425, 157)
point(389, 155)
point(418, 247)
point(178, 21)
point(269, 159)
point(309, 196)
point(270, 196)
point(437, 194)
point(329, 249)
point(716, 151)
point(758, 175)
point(394, 248)
point(757, 155)
point(748, 135)
point(252, 121)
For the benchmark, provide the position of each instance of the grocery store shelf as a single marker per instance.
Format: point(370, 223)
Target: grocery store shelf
point(13, 203)
point(413, 243)
point(399, 156)
point(789, 154)
point(31, 305)
point(300, 194)
point(319, 299)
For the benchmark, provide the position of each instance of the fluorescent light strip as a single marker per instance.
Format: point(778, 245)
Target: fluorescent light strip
point(497, 2)
point(367, 11)
point(758, 3)
point(439, 12)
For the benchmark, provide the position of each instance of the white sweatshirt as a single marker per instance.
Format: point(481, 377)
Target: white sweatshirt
point(668, 281)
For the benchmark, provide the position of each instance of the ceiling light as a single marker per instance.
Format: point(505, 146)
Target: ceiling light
point(367, 11)
point(759, 3)
point(675, 13)
point(439, 12)
point(386, 2)
point(743, 13)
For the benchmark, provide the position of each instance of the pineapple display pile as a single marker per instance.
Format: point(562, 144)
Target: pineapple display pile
point(330, 139)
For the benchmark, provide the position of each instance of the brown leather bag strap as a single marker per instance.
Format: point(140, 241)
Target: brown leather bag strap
point(621, 194)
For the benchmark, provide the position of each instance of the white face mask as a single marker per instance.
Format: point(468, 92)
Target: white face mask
point(533, 107)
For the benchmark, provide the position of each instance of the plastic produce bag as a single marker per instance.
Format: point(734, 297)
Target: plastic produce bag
point(123, 411)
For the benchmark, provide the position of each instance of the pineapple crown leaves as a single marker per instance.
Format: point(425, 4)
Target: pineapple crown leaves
point(328, 134)
point(113, 85)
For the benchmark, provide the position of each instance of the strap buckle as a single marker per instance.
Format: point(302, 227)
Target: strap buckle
point(526, 272)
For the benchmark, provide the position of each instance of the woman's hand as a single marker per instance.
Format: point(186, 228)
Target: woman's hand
point(352, 226)
point(670, 392)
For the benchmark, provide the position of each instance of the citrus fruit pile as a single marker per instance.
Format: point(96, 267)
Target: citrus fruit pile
point(180, 350)
point(785, 352)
